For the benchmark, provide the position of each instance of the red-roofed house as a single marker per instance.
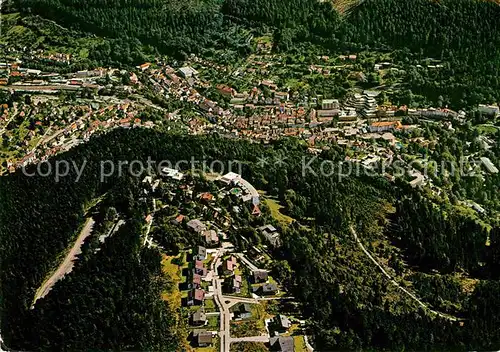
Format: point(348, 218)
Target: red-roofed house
point(195, 297)
point(207, 197)
point(229, 265)
point(144, 66)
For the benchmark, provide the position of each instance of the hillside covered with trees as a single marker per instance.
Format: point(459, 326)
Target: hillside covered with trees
point(349, 303)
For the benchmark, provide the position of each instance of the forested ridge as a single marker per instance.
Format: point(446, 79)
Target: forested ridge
point(463, 34)
point(463, 29)
point(349, 303)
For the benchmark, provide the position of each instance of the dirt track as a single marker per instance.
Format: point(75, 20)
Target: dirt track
point(67, 265)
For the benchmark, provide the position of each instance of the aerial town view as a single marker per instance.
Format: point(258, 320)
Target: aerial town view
point(235, 175)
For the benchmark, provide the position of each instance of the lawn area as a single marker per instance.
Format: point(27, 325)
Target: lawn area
point(210, 305)
point(299, 344)
point(245, 328)
point(213, 322)
point(275, 207)
point(486, 129)
point(174, 271)
point(248, 347)
point(252, 326)
point(292, 329)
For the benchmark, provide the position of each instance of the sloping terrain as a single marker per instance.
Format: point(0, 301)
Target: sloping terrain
point(347, 299)
point(67, 264)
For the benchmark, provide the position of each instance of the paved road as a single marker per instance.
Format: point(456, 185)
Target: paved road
point(394, 282)
point(262, 338)
point(247, 262)
point(45, 88)
point(275, 298)
point(308, 345)
point(67, 265)
point(232, 300)
point(225, 315)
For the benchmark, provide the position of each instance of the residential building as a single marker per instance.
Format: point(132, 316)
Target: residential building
point(144, 66)
point(260, 276)
point(211, 237)
point(330, 104)
point(492, 169)
point(226, 90)
point(283, 96)
point(178, 219)
point(172, 173)
point(384, 126)
point(229, 265)
point(199, 268)
point(195, 297)
point(282, 344)
point(199, 317)
point(281, 323)
point(417, 181)
point(202, 338)
point(199, 253)
point(229, 178)
point(492, 110)
point(233, 284)
point(269, 289)
point(188, 72)
point(271, 235)
point(196, 226)
point(327, 113)
point(195, 281)
point(206, 197)
point(243, 311)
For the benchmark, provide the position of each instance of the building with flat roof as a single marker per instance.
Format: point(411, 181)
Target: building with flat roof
point(489, 109)
point(330, 104)
point(188, 72)
point(249, 191)
point(492, 169)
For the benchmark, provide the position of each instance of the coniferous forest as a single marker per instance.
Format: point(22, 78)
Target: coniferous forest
point(462, 33)
point(113, 298)
point(350, 304)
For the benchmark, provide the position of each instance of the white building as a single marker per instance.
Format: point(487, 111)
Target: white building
point(489, 109)
point(172, 173)
point(489, 165)
point(188, 72)
point(329, 104)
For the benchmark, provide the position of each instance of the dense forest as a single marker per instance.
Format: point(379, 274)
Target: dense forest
point(463, 34)
point(350, 305)
point(429, 234)
point(111, 301)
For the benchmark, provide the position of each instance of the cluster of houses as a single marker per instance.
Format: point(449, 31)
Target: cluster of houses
point(232, 282)
point(196, 294)
point(12, 73)
point(262, 284)
point(80, 123)
point(209, 236)
point(243, 189)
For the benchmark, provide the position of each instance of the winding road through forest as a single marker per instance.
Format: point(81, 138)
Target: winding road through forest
point(395, 283)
